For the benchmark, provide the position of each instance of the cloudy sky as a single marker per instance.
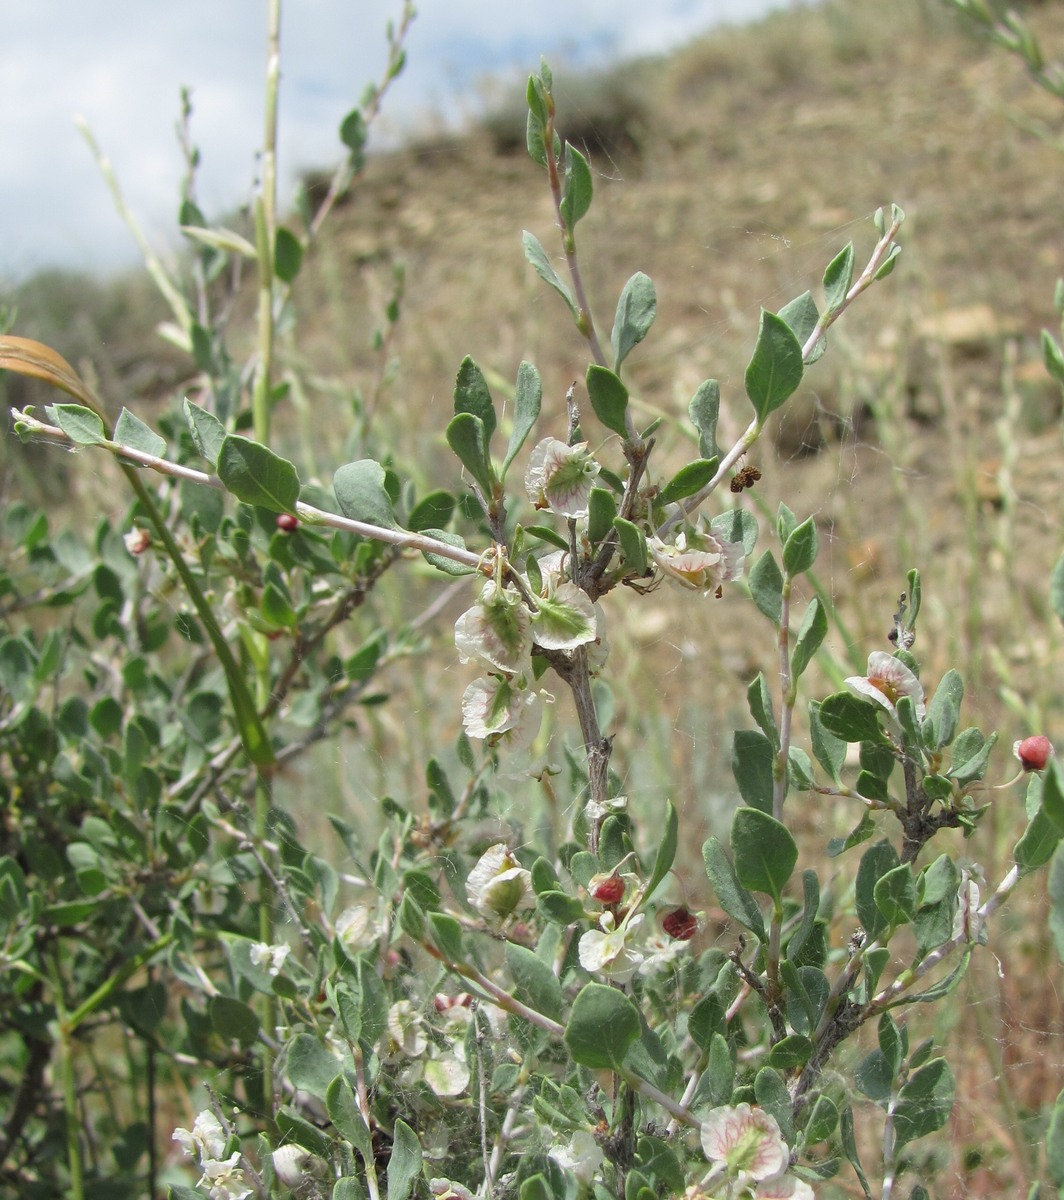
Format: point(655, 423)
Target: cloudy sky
point(121, 67)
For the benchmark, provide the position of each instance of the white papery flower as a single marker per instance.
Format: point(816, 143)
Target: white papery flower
point(747, 1141)
point(224, 1180)
point(406, 1029)
point(888, 679)
point(698, 559)
point(505, 710)
point(582, 1155)
point(271, 957)
point(784, 1187)
point(206, 1139)
point(565, 618)
point(288, 1163)
point(608, 951)
point(446, 1071)
point(495, 629)
point(560, 477)
point(498, 886)
point(357, 927)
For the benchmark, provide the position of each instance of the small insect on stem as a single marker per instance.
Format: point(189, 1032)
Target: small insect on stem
point(745, 477)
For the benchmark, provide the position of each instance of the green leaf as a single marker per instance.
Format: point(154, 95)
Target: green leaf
point(752, 756)
point(528, 396)
point(535, 984)
point(433, 511)
point(736, 901)
point(602, 1026)
point(256, 475)
point(404, 1166)
point(838, 277)
point(471, 395)
point(943, 713)
point(889, 263)
point(440, 561)
point(877, 861)
point(79, 423)
point(828, 750)
point(704, 410)
point(537, 256)
point(287, 254)
point(1055, 891)
point(791, 1052)
point(848, 1141)
point(666, 854)
point(800, 550)
point(559, 907)
point(636, 309)
point(345, 1115)
point(131, 431)
point(759, 700)
point(578, 188)
point(353, 132)
point(275, 607)
point(720, 1071)
point(802, 316)
point(633, 545)
point(1055, 1142)
point(1052, 356)
point(776, 367)
point(810, 910)
point(609, 398)
point(361, 494)
point(851, 718)
point(924, 1102)
point(770, 1090)
point(207, 431)
point(233, 1020)
point(1035, 848)
point(763, 850)
point(688, 480)
point(823, 1120)
point(309, 1066)
point(971, 756)
point(737, 525)
point(811, 634)
point(447, 934)
point(895, 895)
point(601, 512)
point(467, 438)
point(766, 587)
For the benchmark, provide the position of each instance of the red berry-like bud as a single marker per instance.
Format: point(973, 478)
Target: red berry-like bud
point(608, 890)
point(287, 523)
point(681, 923)
point(1034, 752)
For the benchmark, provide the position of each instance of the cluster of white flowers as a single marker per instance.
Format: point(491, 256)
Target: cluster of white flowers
point(206, 1140)
point(617, 950)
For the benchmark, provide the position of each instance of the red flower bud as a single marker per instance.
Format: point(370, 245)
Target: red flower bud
point(287, 523)
point(608, 890)
point(681, 923)
point(1034, 752)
